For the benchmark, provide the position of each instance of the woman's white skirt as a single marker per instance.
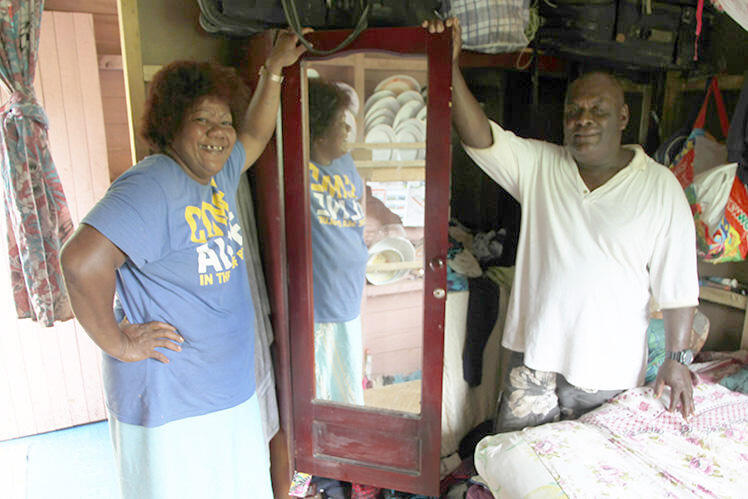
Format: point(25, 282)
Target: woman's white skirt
point(218, 455)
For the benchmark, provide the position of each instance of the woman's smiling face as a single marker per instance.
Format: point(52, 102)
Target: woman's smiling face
point(204, 143)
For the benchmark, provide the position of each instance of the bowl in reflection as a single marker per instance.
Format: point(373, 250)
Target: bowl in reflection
point(390, 250)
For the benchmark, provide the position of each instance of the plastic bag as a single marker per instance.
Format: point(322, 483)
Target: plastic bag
point(711, 189)
point(719, 203)
point(718, 197)
point(683, 163)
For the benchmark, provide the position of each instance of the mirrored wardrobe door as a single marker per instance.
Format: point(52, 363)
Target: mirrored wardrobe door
point(366, 170)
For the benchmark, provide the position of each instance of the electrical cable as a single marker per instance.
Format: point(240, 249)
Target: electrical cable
point(292, 17)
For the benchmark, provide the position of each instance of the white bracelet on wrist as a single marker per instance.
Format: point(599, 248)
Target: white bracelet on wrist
point(273, 77)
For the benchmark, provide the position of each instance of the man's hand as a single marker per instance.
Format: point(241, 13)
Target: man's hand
point(140, 340)
point(437, 26)
point(678, 378)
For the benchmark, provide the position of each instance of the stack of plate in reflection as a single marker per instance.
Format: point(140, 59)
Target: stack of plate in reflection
point(350, 113)
point(396, 112)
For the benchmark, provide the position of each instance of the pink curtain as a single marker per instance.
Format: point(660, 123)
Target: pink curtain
point(38, 220)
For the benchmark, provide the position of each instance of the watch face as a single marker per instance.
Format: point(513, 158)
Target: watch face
point(687, 356)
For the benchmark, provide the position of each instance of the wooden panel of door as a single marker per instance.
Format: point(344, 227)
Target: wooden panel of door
point(266, 176)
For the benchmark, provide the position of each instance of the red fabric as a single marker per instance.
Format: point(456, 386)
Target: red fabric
point(38, 220)
point(699, 16)
point(359, 491)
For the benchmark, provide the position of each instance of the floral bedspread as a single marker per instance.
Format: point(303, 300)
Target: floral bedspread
point(629, 446)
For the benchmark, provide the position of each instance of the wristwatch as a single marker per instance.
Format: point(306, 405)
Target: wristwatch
point(685, 357)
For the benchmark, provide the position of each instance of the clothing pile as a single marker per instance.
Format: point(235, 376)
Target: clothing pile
point(470, 255)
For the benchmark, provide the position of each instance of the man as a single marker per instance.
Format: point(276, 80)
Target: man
point(603, 227)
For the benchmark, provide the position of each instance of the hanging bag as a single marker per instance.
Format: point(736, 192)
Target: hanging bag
point(684, 161)
point(492, 26)
point(728, 242)
point(718, 197)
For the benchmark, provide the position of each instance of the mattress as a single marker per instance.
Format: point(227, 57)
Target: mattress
point(629, 446)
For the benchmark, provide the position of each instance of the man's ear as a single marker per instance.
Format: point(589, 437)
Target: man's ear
point(624, 116)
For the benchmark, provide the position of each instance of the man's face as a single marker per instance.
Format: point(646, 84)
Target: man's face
point(594, 118)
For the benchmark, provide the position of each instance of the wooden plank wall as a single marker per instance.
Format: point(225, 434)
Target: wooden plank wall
point(50, 378)
point(114, 102)
point(393, 331)
point(111, 76)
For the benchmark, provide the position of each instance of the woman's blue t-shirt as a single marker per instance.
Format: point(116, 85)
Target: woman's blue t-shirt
point(185, 267)
point(338, 251)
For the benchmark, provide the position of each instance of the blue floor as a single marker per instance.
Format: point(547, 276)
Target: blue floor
point(72, 463)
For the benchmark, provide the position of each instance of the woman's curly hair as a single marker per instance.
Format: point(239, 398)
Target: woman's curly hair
point(325, 100)
point(177, 87)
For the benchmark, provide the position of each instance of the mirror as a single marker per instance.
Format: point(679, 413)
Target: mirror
point(364, 119)
point(394, 442)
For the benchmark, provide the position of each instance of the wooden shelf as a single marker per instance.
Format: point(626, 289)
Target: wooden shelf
point(374, 60)
point(509, 60)
point(723, 297)
point(391, 163)
point(363, 71)
point(726, 82)
point(392, 173)
point(384, 267)
point(729, 299)
point(389, 145)
point(673, 113)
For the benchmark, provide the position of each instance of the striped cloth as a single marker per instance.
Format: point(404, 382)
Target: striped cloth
point(492, 26)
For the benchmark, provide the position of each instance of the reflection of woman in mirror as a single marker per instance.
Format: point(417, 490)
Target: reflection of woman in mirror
point(338, 251)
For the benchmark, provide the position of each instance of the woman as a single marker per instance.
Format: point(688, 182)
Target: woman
point(339, 253)
point(178, 351)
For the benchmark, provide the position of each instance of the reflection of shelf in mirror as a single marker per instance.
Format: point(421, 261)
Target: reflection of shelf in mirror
point(383, 267)
point(388, 145)
point(376, 61)
point(390, 163)
point(403, 286)
point(385, 173)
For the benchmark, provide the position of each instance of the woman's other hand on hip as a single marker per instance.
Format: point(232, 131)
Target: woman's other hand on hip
point(141, 340)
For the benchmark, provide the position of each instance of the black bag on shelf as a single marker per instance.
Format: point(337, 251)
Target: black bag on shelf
point(635, 34)
point(650, 35)
point(247, 17)
point(575, 23)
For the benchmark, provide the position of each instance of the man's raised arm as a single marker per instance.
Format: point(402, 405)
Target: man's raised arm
point(467, 115)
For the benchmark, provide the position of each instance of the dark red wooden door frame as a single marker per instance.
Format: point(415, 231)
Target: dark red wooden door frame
point(380, 448)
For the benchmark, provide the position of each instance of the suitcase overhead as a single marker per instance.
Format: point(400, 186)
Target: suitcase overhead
point(636, 34)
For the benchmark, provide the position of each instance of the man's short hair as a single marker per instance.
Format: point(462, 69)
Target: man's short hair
point(617, 85)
